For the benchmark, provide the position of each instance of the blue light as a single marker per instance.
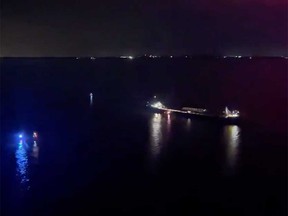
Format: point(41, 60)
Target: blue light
point(20, 135)
point(22, 166)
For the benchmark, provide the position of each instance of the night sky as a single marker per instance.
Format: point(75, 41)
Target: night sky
point(134, 27)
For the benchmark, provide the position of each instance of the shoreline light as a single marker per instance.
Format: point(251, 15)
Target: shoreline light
point(127, 57)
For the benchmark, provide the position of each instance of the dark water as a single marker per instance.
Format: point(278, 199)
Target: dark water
point(113, 157)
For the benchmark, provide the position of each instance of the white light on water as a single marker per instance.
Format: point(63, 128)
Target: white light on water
point(156, 134)
point(232, 135)
point(188, 124)
point(91, 98)
point(160, 127)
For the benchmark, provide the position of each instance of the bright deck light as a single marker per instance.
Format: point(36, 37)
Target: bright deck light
point(231, 114)
point(157, 105)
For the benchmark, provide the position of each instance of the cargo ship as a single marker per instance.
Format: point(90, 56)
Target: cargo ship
point(229, 116)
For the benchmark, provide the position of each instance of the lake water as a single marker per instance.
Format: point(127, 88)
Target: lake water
point(112, 156)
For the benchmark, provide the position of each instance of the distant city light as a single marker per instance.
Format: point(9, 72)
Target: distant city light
point(35, 135)
point(171, 56)
point(153, 56)
point(127, 57)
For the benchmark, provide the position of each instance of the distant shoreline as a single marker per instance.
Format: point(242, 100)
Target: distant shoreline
point(144, 57)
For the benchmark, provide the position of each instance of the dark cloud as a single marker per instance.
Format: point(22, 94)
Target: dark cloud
point(85, 28)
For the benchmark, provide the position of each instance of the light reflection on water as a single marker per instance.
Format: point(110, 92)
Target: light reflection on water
point(188, 124)
point(22, 165)
point(160, 126)
point(91, 99)
point(232, 137)
point(156, 135)
point(35, 150)
point(168, 125)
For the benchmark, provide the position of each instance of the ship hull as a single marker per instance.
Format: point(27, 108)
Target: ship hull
point(204, 117)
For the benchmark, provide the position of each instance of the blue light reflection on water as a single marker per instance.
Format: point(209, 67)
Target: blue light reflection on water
point(22, 165)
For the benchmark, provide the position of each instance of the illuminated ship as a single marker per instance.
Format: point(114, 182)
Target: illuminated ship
point(226, 115)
